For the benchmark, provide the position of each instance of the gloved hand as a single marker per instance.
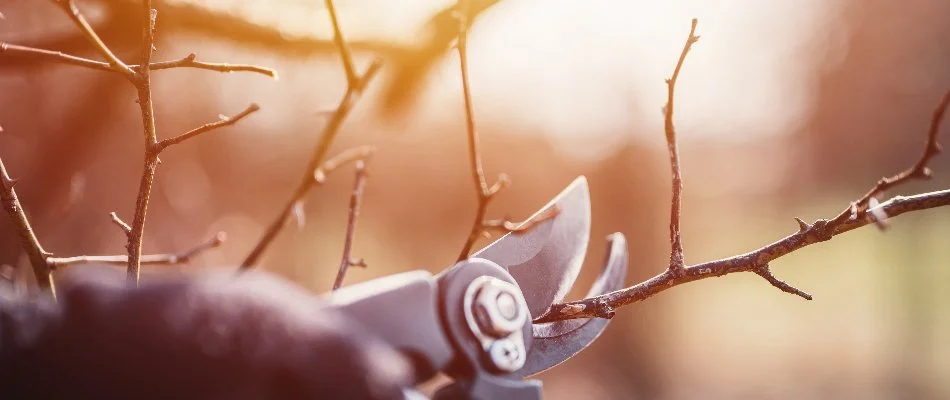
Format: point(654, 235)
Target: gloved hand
point(211, 336)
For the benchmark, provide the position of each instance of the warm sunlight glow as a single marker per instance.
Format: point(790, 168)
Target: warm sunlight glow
point(588, 75)
point(591, 73)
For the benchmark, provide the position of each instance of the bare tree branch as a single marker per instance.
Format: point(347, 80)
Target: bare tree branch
point(748, 262)
point(354, 89)
point(222, 121)
point(139, 76)
point(484, 193)
point(143, 85)
point(189, 61)
point(676, 252)
point(917, 171)
point(758, 260)
point(43, 262)
point(69, 7)
point(181, 257)
point(316, 178)
point(31, 245)
point(356, 199)
point(352, 79)
point(30, 53)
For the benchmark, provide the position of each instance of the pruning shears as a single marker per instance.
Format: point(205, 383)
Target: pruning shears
point(473, 320)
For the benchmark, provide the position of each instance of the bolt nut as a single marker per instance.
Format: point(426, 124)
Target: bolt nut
point(497, 309)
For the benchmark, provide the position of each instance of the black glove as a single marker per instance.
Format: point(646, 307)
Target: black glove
point(212, 336)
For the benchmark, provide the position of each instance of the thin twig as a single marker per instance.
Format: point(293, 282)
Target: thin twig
point(354, 89)
point(315, 178)
point(154, 147)
point(506, 225)
point(345, 157)
point(222, 121)
point(356, 199)
point(765, 272)
point(748, 262)
point(917, 171)
point(31, 245)
point(139, 76)
point(30, 53)
point(676, 243)
point(485, 193)
point(143, 86)
point(352, 79)
point(69, 7)
point(126, 229)
point(181, 257)
point(758, 260)
point(478, 172)
point(189, 61)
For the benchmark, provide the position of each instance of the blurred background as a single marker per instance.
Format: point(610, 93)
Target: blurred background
point(785, 108)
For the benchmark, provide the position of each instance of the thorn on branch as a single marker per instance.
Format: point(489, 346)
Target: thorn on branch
point(21, 223)
point(9, 183)
point(765, 272)
point(802, 225)
point(822, 229)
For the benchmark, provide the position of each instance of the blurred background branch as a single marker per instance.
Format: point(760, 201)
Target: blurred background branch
point(355, 85)
point(139, 77)
point(356, 199)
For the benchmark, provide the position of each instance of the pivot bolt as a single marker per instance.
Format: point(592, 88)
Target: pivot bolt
point(497, 310)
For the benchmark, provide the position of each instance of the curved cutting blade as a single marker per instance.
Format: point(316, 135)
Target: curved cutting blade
point(546, 259)
point(555, 342)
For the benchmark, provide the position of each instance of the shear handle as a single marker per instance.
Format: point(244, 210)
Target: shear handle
point(403, 310)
